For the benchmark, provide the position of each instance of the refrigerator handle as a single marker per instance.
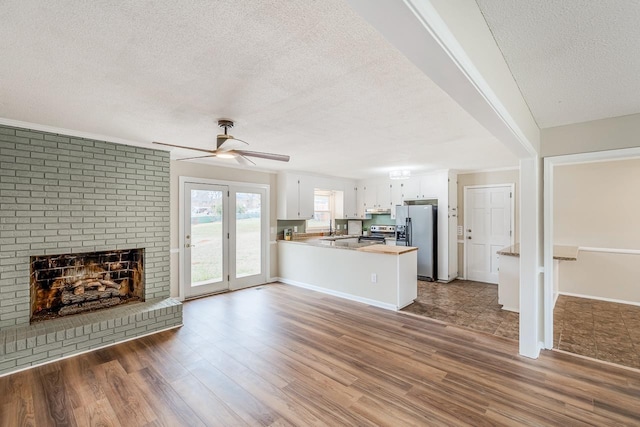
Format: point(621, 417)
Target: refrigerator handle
point(409, 232)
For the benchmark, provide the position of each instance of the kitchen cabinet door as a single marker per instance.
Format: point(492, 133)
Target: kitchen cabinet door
point(306, 188)
point(411, 189)
point(287, 196)
point(360, 201)
point(350, 206)
point(396, 196)
point(370, 196)
point(383, 195)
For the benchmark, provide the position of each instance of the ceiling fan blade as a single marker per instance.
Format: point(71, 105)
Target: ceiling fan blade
point(227, 142)
point(197, 157)
point(244, 160)
point(269, 156)
point(186, 148)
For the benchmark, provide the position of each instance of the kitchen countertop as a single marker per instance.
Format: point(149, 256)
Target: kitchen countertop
point(385, 249)
point(371, 247)
point(561, 253)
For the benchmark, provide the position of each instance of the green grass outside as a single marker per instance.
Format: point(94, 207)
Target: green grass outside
point(206, 256)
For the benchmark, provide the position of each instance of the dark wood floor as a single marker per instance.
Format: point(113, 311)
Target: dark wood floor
point(278, 355)
point(466, 303)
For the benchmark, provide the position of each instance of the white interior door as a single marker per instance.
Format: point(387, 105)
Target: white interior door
point(206, 231)
point(488, 228)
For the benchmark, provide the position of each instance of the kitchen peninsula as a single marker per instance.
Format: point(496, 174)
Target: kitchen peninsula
point(378, 275)
point(509, 273)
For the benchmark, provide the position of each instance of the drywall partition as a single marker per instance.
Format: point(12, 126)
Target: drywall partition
point(596, 208)
point(596, 135)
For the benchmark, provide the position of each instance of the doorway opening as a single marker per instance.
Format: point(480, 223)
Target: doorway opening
point(591, 306)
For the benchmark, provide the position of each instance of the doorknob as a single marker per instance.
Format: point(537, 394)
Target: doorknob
point(469, 230)
point(189, 245)
point(469, 237)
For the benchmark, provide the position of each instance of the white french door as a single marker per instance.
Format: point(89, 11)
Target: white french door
point(224, 237)
point(488, 222)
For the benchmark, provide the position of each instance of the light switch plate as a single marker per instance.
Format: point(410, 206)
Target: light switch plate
point(295, 228)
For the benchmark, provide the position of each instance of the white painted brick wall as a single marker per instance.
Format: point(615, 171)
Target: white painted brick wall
point(60, 194)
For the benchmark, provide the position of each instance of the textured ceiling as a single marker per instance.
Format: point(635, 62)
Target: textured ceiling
point(574, 60)
point(306, 78)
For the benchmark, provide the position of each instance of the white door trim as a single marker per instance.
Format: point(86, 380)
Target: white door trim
point(511, 187)
point(549, 164)
point(182, 180)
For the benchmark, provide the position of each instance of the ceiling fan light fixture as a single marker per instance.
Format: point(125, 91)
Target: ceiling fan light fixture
point(400, 174)
point(226, 155)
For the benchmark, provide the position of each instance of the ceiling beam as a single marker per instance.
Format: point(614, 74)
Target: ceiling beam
point(417, 30)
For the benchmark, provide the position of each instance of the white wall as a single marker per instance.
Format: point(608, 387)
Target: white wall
point(596, 205)
point(486, 178)
point(198, 170)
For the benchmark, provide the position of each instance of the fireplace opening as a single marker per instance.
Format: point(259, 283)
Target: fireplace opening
point(67, 284)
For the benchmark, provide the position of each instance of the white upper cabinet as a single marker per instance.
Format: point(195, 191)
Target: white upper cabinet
point(370, 196)
point(411, 188)
point(296, 195)
point(396, 196)
point(360, 202)
point(350, 207)
point(383, 195)
point(306, 188)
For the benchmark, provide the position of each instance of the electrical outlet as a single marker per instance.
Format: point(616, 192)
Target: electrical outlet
point(374, 277)
point(295, 228)
point(459, 230)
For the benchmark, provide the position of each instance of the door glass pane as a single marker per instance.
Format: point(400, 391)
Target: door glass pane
point(206, 237)
point(248, 234)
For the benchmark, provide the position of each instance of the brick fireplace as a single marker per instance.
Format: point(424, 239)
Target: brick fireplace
point(62, 285)
point(63, 198)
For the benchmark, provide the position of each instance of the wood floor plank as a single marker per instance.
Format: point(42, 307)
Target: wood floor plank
point(284, 356)
point(98, 413)
point(125, 398)
point(248, 407)
point(59, 407)
point(17, 401)
point(210, 409)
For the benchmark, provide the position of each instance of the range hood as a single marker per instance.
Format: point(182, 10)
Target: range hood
point(378, 211)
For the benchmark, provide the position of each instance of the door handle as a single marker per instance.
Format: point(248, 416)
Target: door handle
point(189, 245)
point(469, 230)
point(469, 237)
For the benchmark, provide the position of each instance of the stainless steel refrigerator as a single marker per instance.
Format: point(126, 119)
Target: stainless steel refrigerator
point(416, 225)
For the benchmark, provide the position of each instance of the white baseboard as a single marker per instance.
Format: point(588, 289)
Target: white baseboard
point(511, 309)
point(339, 294)
point(619, 301)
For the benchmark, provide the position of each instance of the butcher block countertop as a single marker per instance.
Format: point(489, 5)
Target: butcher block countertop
point(384, 249)
point(560, 253)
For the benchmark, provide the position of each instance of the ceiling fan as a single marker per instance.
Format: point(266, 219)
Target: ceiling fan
point(226, 148)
